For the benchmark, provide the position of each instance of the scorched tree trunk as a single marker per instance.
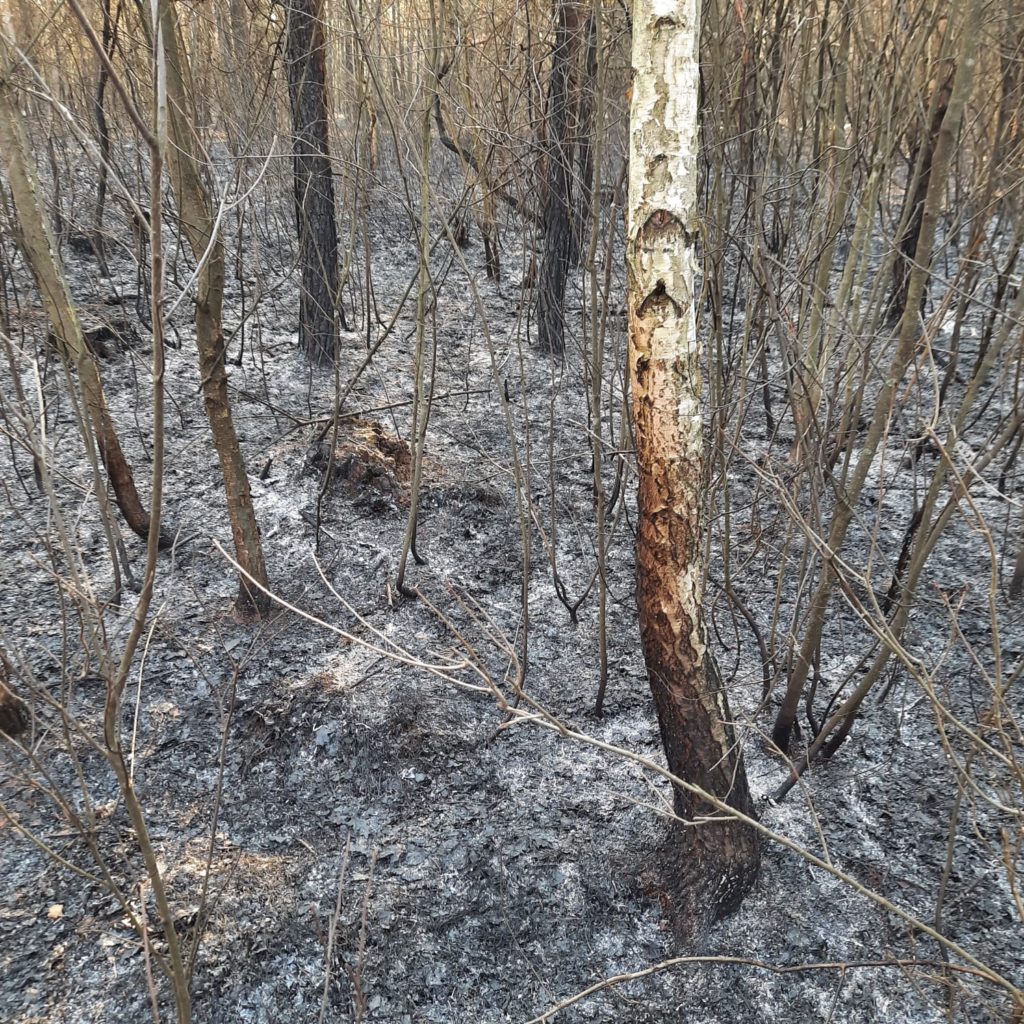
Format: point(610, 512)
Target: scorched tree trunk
point(314, 186)
point(721, 856)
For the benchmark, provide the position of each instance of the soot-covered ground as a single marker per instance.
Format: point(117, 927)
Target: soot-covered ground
point(483, 873)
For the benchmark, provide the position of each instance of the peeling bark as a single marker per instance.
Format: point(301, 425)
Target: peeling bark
point(665, 369)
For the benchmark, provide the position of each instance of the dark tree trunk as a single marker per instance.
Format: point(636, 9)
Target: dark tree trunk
point(319, 302)
point(558, 202)
point(13, 719)
point(923, 152)
point(1017, 582)
point(12, 713)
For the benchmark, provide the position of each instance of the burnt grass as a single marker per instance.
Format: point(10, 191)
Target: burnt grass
point(485, 872)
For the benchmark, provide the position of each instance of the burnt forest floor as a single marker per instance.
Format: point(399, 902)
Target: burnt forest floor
point(485, 873)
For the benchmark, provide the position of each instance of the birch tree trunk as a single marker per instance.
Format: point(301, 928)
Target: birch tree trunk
point(721, 857)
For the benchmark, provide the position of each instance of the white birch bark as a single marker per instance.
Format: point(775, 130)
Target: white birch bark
point(721, 859)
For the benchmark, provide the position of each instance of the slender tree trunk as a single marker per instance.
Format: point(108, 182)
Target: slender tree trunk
point(587, 127)
point(233, 39)
point(665, 372)
point(1017, 580)
point(319, 303)
point(198, 225)
point(103, 130)
point(903, 353)
point(422, 396)
point(558, 202)
point(923, 150)
point(40, 250)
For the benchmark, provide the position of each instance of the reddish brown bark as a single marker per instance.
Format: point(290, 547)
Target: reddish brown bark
point(13, 717)
point(693, 712)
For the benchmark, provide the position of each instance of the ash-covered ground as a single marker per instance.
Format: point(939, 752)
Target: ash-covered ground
point(315, 772)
